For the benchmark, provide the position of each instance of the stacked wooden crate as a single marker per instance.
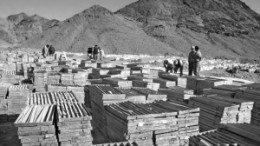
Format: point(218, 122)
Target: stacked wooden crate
point(159, 123)
point(223, 90)
point(36, 125)
point(180, 81)
point(8, 76)
point(98, 72)
point(17, 98)
point(80, 78)
point(78, 91)
point(216, 110)
point(46, 98)
point(145, 84)
point(178, 94)
point(74, 124)
point(67, 78)
point(138, 78)
point(3, 103)
point(150, 94)
point(100, 96)
point(40, 80)
point(210, 91)
point(138, 69)
point(132, 95)
point(56, 87)
point(251, 95)
point(85, 63)
point(19, 68)
point(118, 82)
point(199, 83)
point(164, 83)
point(105, 65)
point(239, 134)
point(53, 78)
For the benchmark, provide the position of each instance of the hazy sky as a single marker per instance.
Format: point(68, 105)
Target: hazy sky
point(62, 9)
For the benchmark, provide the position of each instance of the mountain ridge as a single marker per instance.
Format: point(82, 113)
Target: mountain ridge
point(221, 28)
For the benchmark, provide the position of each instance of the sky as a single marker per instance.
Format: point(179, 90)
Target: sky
point(63, 9)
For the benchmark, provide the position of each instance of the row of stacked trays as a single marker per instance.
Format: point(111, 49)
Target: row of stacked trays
point(36, 125)
point(159, 123)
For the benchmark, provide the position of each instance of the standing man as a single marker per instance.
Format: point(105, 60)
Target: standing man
point(96, 50)
point(191, 60)
point(168, 65)
point(197, 58)
point(178, 64)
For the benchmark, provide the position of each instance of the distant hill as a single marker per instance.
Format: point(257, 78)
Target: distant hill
point(97, 25)
point(219, 27)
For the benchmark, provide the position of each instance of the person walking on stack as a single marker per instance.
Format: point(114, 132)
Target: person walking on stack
point(95, 52)
point(51, 50)
point(191, 60)
point(178, 64)
point(45, 50)
point(90, 52)
point(197, 58)
point(168, 65)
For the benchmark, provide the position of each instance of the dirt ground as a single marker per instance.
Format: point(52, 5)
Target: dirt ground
point(8, 135)
point(240, 74)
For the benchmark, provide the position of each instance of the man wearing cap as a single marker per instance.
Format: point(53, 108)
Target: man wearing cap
point(198, 58)
point(191, 60)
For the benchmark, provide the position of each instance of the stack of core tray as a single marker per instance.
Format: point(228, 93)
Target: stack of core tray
point(159, 123)
point(164, 83)
point(251, 95)
point(177, 94)
point(216, 110)
point(36, 126)
point(46, 98)
point(150, 94)
point(118, 82)
point(17, 98)
point(74, 124)
point(238, 134)
point(54, 78)
point(80, 78)
point(67, 78)
point(100, 96)
point(132, 95)
point(40, 80)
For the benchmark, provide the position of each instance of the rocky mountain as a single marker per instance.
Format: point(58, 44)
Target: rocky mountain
point(97, 25)
point(25, 27)
point(219, 27)
point(5, 37)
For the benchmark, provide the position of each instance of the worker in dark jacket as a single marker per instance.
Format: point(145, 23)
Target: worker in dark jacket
point(191, 60)
point(96, 51)
point(168, 65)
point(51, 50)
point(178, 64)
point(90, 52)
point(197, 58)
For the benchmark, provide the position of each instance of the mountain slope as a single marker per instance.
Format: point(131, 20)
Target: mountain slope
point(24, 27)
point(5, 37)
point(219, 27)
point(98, 25)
